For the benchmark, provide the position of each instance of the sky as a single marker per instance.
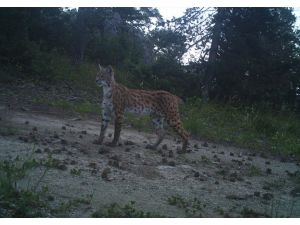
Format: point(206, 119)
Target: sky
point(170, 12)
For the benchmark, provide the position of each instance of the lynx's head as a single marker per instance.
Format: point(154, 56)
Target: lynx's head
point(105, 76)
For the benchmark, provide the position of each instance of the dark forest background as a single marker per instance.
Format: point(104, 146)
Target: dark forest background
point(245, 56)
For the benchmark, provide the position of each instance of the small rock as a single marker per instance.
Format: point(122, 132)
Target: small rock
point(127, 149)
point(46, 150)
point(84, 132)
point(236, 197)
point(232, 179)
point(217, 182)
point(231, 154)
point(50, 198)
point(263, 155)
point(196, 174)
point(84, 151)
point(257, 194)
point(128, 142)
point(55, 135)
point(56, 151)
point(268, 196)
point(24, 109)
point(164, 160)
point(249, 158)
point(222, 153)
point(267, 163)
point(62, 167)
point(63, 142)
point(114, 163)
point(105, 173)
point(73, 162)
point(26, 122)
point(171, 154)
point(34, 129)
point(103, 150)
point(80, 136)
point(70, 153)
point(25, 139)
point(137, 155)
point(205, 144)
point(109, 135)
point(93, 165)
point(63, 128)
point(171, 163)
point(214, 146)
point(114, 157)
point(38, 150)
point(196, 146)
point(165, 147)
point(269, 171)
point(295, 192)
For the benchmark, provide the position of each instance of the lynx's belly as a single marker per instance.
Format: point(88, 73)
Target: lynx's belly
point(139, 110)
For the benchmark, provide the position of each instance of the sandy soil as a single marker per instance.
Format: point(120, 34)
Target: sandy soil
point(224, 179)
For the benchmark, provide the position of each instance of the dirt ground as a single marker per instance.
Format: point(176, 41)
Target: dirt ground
point(226, 181)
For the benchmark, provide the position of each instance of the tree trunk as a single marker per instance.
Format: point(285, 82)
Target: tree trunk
point(210, 70)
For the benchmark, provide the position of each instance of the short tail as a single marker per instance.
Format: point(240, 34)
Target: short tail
point(179, 100)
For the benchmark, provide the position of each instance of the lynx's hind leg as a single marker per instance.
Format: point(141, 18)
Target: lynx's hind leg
point(158, 124)
point(176, 124)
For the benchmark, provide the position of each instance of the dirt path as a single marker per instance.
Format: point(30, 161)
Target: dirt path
point(227, 181)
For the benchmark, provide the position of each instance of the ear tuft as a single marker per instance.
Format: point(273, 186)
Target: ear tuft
point(110, 69)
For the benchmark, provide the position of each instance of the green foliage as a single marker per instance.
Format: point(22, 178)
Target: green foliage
point(251, 213)
point(7, 131)
point(75, 172)
point(254, 171)
point(127, 211)
point(80, 107)
point(192, 207)
point(16, 202)
point(258, 57)
point(245, 127)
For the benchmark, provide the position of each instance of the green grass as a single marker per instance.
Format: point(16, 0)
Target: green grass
point(16, 201)
point(7, 131)
point(83, 108)
point(245, 127)
point(192, 207)
point(115, 210)
point(254, 171)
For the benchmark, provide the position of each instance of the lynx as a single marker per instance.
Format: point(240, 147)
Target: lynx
point(118, 99)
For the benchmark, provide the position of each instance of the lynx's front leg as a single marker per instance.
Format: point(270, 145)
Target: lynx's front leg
point(106, 118)
point(118, 124)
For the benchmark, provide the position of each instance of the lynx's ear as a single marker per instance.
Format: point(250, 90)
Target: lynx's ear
point(100, 67)
point(110, 69)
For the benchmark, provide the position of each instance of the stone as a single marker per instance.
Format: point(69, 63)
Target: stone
point(196, 174)
point(268, 196)
point(205, 144)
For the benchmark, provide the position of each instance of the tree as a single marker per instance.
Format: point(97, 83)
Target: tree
point(258, 52)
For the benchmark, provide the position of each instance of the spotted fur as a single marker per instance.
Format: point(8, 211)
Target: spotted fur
point(160, 105)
